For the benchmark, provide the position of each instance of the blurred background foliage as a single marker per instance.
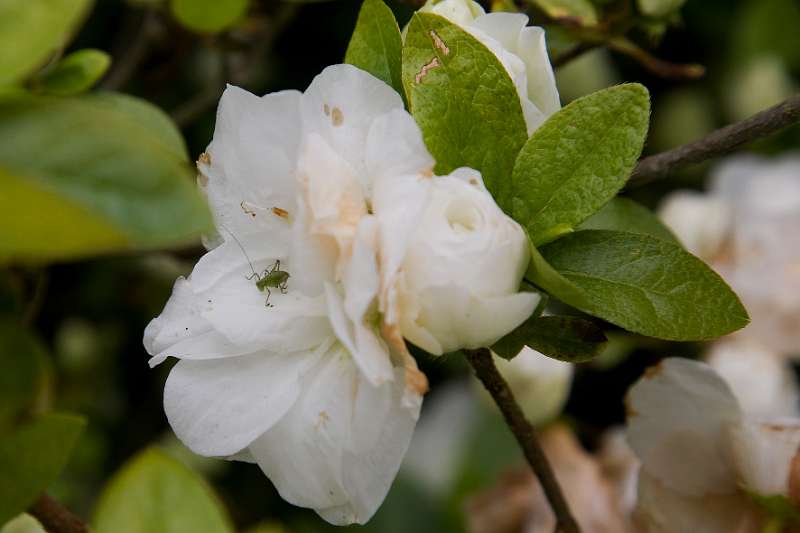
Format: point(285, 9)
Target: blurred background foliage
point(98, 216)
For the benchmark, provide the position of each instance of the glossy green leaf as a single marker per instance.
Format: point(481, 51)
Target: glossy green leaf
point(32, 456)
point(23, 380)
point(31, 31)
point(623, 214)
point(464, 101)
point(581, 11)
point(578, 160)
point(113, 166)
point(154, 493)
point(647, 285)
point(566, 338)
point(208, 16)
point(376, 45)
point(543, 275)
point(74, 74)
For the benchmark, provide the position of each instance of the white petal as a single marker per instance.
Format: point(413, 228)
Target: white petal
point(678, 417)
point(181, 319)
point(338, 449)
point(395, 147)
point(340, 106)
point(763, 453)
point(663, 510)
point(252, 161)
point(219, 407)
point(542, 90)
point(701, 222)
point(503, 27)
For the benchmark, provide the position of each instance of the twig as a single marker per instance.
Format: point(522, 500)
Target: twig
point(132, 49)
point(482, 363)
point(656, 66)
point(55, 517)
point(573, 53)
point(718, 142)
point(37, 298)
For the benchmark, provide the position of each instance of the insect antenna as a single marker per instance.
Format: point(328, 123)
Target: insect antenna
point(249, 262)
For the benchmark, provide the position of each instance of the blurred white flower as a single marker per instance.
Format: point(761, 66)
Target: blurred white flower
point(701, 455)
point(540, 384)
point(297, 377)
point(453, 262)
point(762, 381)
point(520, 48)
point(748, 228)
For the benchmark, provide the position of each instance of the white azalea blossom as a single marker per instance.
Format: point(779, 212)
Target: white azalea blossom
point(520, 48)
point(747, 227)
point(701, 455)
point(540, 384)
point(288, 330)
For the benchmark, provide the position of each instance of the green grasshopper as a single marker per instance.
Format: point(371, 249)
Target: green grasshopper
point(272, 277)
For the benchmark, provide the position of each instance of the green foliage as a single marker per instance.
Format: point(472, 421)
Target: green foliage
point(581, 11)
point(376, 45)
point(578, 160)
point(31, 457)
point(647, 285)
point(767, 27)
point(31, 31)
point(464, 101)
point(74, 74)
point(659, 8)
point(208, 16)
point(24, 378)
point(154, 493)
point(113, 166)
point(543, 275)
point(566, 338)
point(777, 506)
point(623, 214)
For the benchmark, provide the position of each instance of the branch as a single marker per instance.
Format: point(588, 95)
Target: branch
point(573, 53)
point(131, 50)
point(718, 142)
point(55, 517)
point(482, 363)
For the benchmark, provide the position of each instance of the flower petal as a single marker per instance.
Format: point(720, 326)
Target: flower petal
point(395, 147)
point(678, 417)
point(763, 453)
point(250, 163)
point(542, 90)
point(340, 106)
point(219, 407)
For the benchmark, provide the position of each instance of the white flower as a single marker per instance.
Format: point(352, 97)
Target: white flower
point(297, 377)
point(747, 226)
point(520, 48)
point(453, 262)
point(762, 381)
point(540, 384)
point(701, 455)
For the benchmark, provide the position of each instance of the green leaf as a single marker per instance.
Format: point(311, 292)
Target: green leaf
point(579, 159)
point(659, 8)
point(31, 31)
point(24, 377)
point(546, 277)
point(111, 166)
point(31, 457)
point(464, 101)
point(74, 74)
point(776, 506)
point(376, 45)
point(208, 16)
point(647, 285)
point(623, 214)
point(153, 493)
point(581, 11)
point(566, 338)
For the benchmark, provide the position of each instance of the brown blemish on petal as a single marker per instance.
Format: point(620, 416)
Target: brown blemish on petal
point(652, 372)
point(439, 43)
point(204, 159)
point(473, 181)
point(794, 480)
point(337, 117)
point(247, 211)
point(630, 412)
point(326, 110)
point(427, 173)
point(322, 419)
point(278, 212)
point(430, 65)
point(416, 381)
